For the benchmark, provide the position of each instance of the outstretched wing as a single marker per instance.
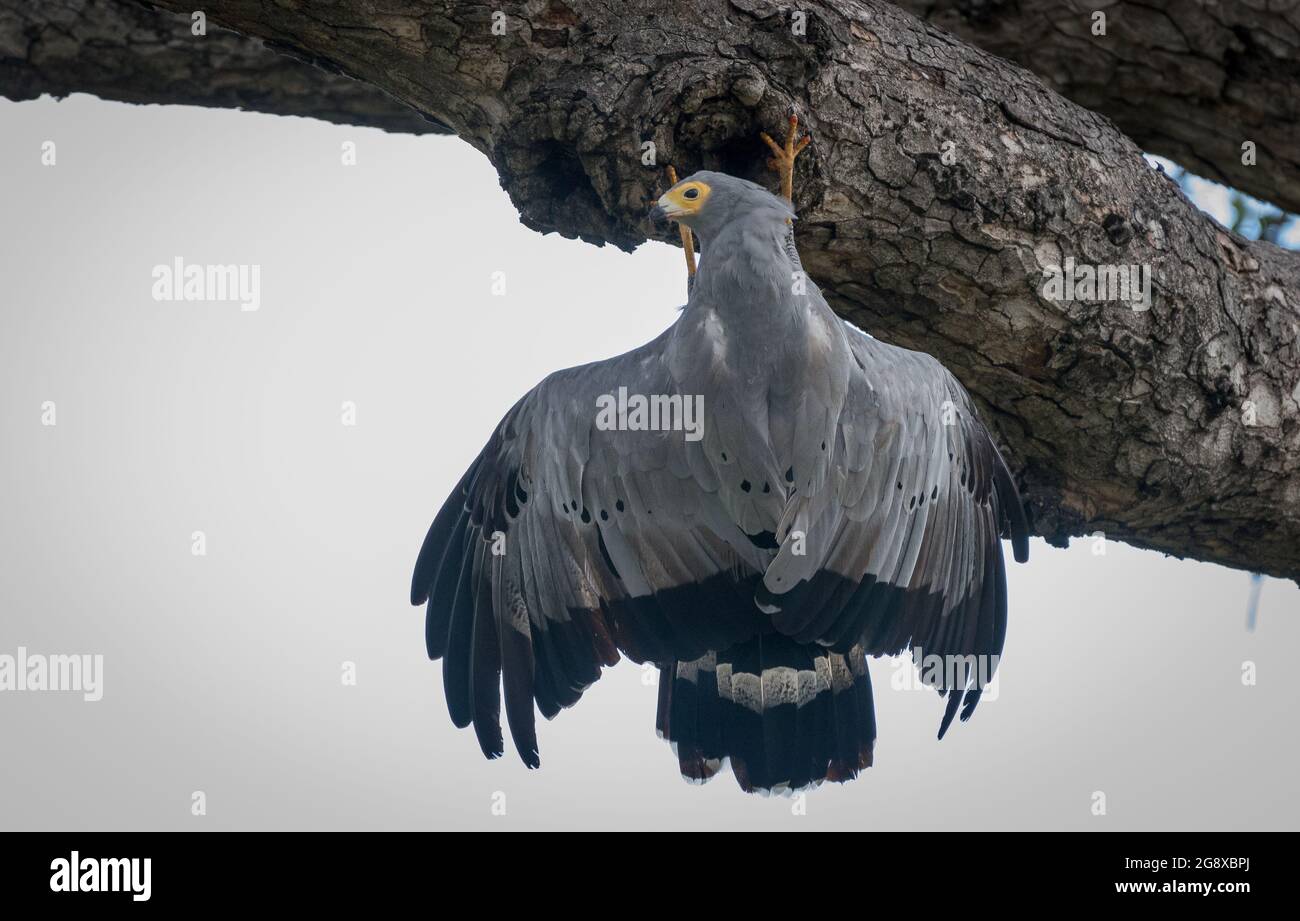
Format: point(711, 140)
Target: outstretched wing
point(901, 547)
point(567, 541)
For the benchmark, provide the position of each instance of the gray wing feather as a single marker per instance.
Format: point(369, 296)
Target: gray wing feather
point(911, 523)
point(605, 541)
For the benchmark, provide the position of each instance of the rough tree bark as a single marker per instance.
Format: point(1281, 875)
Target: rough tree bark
point(941, 182)
point(129, 52)
point(1191, 81)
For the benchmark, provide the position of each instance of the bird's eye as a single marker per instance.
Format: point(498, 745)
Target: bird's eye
point(691, 194)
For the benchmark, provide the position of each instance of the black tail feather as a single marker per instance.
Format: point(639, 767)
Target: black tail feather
point(786, 715)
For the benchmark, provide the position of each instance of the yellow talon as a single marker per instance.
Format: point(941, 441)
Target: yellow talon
point(783, 155)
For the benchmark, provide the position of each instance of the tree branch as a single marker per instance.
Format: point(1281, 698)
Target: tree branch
point(1191, 81)
point(940, 183)
point(129, 52)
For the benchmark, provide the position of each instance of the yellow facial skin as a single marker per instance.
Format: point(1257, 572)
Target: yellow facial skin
point(684, 200)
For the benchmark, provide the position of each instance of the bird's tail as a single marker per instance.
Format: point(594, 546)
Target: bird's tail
point(787, 715)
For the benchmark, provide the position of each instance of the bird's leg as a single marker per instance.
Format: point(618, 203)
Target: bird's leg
point(688, 240)
point(783, 156)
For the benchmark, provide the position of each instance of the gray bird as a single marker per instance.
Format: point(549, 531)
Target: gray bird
point(754, 502)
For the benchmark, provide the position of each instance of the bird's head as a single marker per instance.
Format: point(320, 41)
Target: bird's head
point(706, 201)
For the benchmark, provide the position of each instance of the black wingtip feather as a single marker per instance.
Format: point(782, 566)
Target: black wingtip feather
point(440, 535)
point(456, 663)
point(442, 597)
point(1009, 498)
point(954, 699)
point(485, 666)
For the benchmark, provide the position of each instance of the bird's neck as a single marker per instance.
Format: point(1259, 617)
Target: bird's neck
point(751, 316)
point(751, 269)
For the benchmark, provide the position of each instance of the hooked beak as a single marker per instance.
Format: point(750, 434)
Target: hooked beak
point(664, 210)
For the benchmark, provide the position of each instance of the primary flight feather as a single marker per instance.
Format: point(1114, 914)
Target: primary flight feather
point(836, 497)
